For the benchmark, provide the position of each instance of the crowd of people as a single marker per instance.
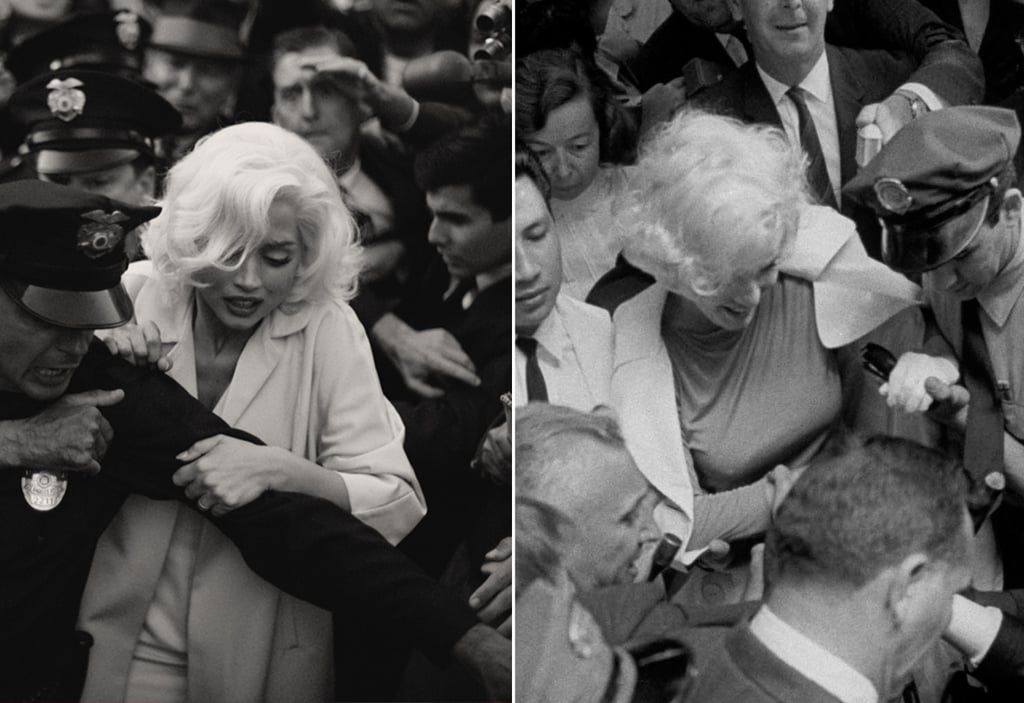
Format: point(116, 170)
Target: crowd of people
point(769, 286)
point(277, 425)
point(256, 325)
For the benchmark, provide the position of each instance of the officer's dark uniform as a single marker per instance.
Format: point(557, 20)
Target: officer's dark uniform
point(57, 239)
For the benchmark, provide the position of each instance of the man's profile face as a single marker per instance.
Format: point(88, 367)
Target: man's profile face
point(784, 32)
point(37, 359)
point(989, 251)
point(538, 258)
point(613, 516)
point(315, 108)
point(465, 233)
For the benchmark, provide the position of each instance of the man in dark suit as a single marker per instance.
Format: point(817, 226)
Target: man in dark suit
point(862, 564)
point(702, 28)
point(70, 410)
point(467, 293)
point(812, 90)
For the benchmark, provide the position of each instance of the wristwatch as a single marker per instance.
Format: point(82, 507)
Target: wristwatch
point(918, 106)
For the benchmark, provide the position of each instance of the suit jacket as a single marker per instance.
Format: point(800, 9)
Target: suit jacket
point(588, 342)
point(304, 382)
point(442, 434)
point(946, 64)
point(743, 669)
point(306, 546)
point(858, 78)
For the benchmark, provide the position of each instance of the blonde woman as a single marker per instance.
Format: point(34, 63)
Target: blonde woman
point(252, 262)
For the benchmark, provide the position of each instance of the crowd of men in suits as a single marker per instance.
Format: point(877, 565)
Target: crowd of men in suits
point(837, 607)
point(408, 103)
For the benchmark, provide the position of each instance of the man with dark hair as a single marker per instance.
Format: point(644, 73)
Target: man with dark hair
point(466, 293)
point(862, 563)
point(68, 409)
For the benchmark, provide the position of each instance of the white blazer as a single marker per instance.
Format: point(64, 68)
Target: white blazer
point(305, 382)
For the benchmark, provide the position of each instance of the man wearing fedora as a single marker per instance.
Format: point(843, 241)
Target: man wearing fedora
point(80, 429)
point(196, 59)
point(946, 191)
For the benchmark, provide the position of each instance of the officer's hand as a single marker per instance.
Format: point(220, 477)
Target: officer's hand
point(224, 473)
point(493, 600)
point(70, 435)
point(422, 356)
point(949, 403)
point(140, 345)
point(906, 386)
point(890, 115)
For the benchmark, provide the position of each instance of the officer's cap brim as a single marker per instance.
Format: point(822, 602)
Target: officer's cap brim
point(73, 309)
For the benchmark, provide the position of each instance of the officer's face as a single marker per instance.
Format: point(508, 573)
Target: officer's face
point(538, 258)
point(314, 106)
point(569, 148)
point(37, 359)
point(465, 234)
point(785, 34)
point(238, 300)
point(200, 89)
point(124, 183)
point(613, 517)
point(971, 271)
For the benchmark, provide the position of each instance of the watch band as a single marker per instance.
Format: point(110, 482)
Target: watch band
point(918, 106)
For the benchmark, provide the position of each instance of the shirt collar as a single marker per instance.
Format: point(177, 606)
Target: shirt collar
point(817, 83)
point(551, 334)
point(811, 659)
point(1000, 296)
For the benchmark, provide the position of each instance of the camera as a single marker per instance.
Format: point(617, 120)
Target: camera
point(495, 22)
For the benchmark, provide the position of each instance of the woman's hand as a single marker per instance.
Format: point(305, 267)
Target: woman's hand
point(140, 345)
point(225, 473)
point(906, 388)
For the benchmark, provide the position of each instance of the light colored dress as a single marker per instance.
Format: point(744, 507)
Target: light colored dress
point(166, 586)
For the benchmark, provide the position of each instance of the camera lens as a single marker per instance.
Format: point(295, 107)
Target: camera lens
point(495, 18)
point(494, 49)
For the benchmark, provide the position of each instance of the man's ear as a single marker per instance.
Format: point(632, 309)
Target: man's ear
point(1012, 204)
point(904, 588)
point(147, 183)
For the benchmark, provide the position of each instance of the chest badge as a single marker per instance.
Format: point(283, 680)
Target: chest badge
point(44, 490)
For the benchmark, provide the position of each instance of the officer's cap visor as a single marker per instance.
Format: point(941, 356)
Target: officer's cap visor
point(73, 309)
point(911, 250)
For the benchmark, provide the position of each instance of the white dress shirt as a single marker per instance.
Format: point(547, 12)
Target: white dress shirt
point(811, 659)
point(817, 87)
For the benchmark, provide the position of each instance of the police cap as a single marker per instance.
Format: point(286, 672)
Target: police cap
point(80, 121)
point(100, 41)
point(929, 183)
point(62, 253)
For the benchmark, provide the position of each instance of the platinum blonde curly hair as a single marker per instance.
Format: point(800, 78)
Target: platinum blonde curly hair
point(217, 206)
point(705, 188)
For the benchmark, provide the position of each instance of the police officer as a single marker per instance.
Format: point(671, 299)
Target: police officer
point(67, 408)
point(95, 131)
point(945, 190)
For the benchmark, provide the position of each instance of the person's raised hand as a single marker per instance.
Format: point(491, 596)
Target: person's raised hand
point(69, 435)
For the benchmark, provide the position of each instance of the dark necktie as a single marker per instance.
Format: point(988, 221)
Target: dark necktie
point(983, 438)
point(817, 173)
point(536, 389)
